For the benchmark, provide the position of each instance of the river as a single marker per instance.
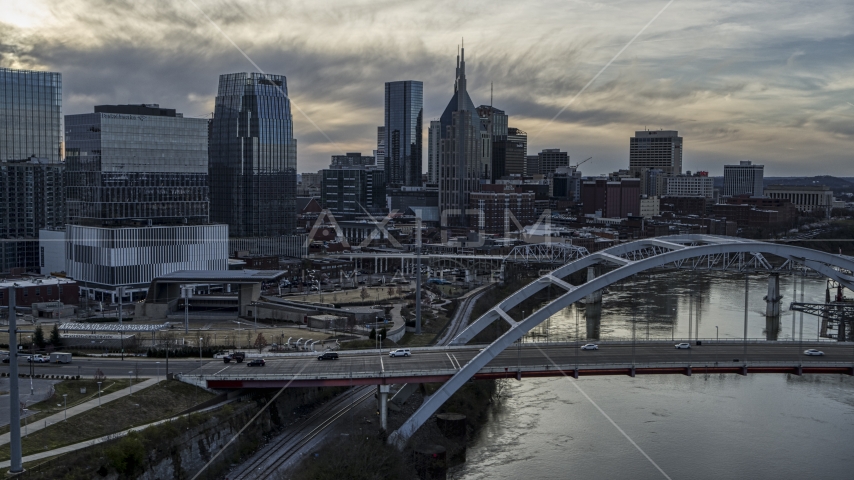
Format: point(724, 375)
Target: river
point(700, 427)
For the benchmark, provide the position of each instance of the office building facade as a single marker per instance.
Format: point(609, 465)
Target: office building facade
point(660, 149)
point(696, 185)
point(379, 153)
point(353, 191)
point(434, 151)
point(807, 199)
point(743, 179)
point(31, 175)
point(550, 160)
point(352, 159)
point(611, 198)
point(253, 156)
point(515, 151)
point(404, 105)
point(138, 202)
point(30, 115)
point(132, 163)
point(32, 198)
point(463, 165)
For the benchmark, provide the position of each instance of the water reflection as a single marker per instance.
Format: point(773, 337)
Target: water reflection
point(660, 305)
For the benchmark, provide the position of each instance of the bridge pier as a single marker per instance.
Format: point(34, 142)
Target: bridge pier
point(382, 393)
point(595, 297)
point(772, 300)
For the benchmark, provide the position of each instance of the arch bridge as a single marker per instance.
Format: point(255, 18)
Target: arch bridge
point(626, 260)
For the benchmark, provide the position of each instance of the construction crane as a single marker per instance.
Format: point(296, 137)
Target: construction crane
point(583, 161)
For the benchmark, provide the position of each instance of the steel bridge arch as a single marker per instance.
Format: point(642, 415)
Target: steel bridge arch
point(674, 249)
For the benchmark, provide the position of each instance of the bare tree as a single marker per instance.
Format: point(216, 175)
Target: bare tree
point(260, 342)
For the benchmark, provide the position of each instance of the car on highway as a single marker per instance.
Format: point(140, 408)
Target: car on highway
point(256, 362)
point(683, 345)
point(328, 356)
point(812, 352)
point(236, 356)
point(400, 352)
point(590, 346)
point(38, 359)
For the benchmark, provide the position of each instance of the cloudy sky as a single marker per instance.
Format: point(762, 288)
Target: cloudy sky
point(771, 82)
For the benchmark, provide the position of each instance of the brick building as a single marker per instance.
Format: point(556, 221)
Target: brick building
point(39, 290)
point(497, 203)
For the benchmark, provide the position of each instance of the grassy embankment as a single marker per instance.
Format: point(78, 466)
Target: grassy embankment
point(145, 406)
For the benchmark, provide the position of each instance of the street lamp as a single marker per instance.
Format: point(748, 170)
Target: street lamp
point(65, 400)
point(99, 394)
point(717, 335)
point(200, 353)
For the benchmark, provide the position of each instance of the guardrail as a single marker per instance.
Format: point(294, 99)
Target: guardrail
point(568, 344)
point(524, 368)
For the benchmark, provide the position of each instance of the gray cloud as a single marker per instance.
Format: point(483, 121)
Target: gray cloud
point(737, 80)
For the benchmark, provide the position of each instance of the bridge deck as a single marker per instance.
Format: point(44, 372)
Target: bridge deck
point(354, 368)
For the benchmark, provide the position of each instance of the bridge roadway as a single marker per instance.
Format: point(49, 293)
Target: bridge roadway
point(531, 360)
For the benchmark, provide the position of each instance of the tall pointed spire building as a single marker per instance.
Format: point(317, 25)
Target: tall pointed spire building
point(464, 159)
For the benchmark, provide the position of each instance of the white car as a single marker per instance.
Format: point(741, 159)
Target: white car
point(400, 352)
point(590, 346)
point(813, 351)
point(683, 345)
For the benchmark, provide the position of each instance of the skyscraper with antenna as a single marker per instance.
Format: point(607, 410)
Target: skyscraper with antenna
point(464, 162)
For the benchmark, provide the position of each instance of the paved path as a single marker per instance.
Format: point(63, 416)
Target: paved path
point(95, 441)
point(78, 409)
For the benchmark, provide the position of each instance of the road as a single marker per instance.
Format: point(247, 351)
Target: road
point(111, 367)
point(375, 368)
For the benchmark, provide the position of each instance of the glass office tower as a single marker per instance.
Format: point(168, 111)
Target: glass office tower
point(132, 164)
point(404, 105)
point(32, 195)
point(30, 115)
point(253, 156)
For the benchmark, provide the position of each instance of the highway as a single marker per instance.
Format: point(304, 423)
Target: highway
point(111, 367)
point(436, 364)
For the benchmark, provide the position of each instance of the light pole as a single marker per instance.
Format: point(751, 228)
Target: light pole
point(130, 379)
point(200, 354)
point(65, 400)
point(99, 394)
point(717, 335)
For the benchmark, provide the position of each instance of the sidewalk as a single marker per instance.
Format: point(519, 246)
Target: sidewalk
point(105, 438)
point(77, 409)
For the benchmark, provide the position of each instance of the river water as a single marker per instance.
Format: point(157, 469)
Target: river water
point(700, 427)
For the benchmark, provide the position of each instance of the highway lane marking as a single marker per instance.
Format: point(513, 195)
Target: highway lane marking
point(226, 368)
point(458, 362)
point(382, 365)
point(450, 360)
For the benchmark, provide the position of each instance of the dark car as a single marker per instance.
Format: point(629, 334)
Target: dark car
point(328, 356)
point(258, 362)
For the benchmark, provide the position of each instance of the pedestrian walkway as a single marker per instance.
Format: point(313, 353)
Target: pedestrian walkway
point(105, 438)
point(78, 409)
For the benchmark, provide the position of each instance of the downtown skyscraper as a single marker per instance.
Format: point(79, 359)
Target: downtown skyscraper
point(463, 164)
point(404, 111)
point(32, 195)
point(253, 156)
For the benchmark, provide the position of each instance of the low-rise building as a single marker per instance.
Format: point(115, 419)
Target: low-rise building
point(807, 199)
point(30, 290)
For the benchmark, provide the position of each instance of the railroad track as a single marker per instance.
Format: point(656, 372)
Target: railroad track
point(274, 456)
point(456, 325)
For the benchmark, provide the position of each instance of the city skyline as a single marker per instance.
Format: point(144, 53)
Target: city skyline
point(755, 82)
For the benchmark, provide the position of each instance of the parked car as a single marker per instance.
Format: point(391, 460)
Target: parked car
point(328, 356)
point(813, 351)
point(256, 362)
point(683, 345)
point(590, 346)
point(38, 359)
point(400, 352)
